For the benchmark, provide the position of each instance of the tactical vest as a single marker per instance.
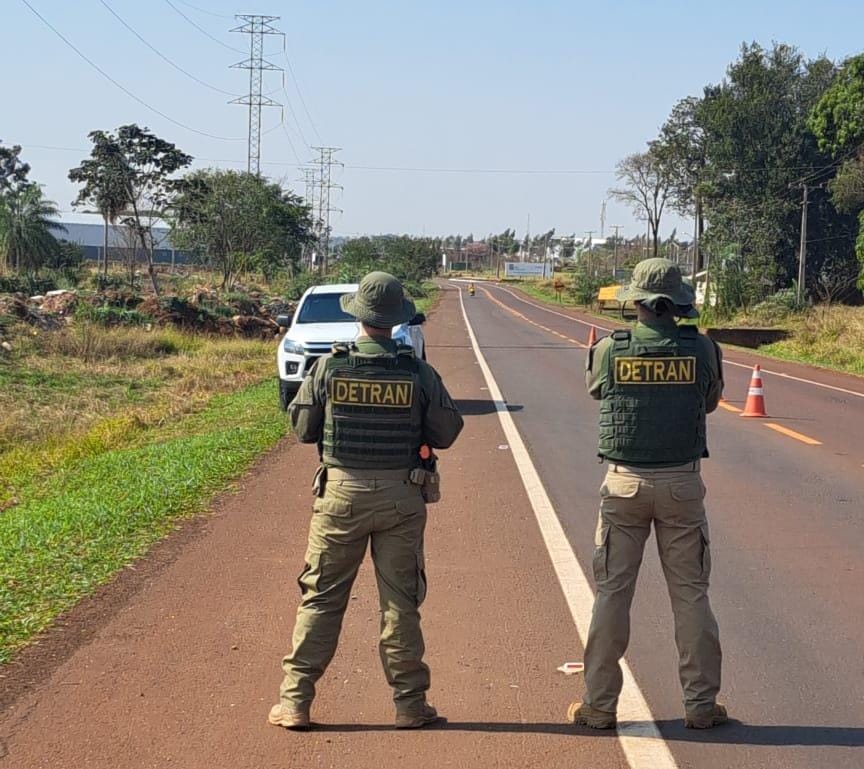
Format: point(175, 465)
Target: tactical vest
point(372, 416)
point(653, 406)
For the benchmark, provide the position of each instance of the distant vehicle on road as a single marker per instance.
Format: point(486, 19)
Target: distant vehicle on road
point(317, 324)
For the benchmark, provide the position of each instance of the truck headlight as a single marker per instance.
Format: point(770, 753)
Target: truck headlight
point(295, 348)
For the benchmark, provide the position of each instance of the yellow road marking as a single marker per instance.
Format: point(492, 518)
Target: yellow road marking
point(723, 405)
point(792, 434)
point(528, 320)
point(729, 407)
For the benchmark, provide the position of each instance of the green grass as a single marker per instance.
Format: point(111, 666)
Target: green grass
point(76, 529)
point(430, 298)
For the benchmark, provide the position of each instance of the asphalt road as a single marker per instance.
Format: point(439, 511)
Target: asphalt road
point(176, 662)
point(787, 528)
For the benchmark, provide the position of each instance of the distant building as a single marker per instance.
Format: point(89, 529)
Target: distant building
point(90, 237)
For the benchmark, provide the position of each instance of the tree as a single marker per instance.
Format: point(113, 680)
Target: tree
point(837, 121)
point(683, 153)
point(104, 178)
point(235, 221)
point(757, 149)
point(143, 165)
point(13, 173)
point(646, 189)
point(412, 260)
point(27, 221)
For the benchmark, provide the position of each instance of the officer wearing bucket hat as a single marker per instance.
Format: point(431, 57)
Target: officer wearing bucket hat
point(369, 407)
point(655, 384)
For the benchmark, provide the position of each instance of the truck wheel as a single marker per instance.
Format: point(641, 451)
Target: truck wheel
point(287, 391)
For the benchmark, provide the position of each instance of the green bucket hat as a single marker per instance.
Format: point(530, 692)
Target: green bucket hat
point(379, 301)
point(658, 278)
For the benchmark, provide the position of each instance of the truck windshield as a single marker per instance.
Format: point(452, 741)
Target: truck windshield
point(323, 308)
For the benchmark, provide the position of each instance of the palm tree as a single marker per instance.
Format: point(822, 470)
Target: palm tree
point(27, 221)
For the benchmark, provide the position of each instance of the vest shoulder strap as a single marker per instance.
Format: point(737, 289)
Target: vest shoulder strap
point(688, 336)
point(621, 339)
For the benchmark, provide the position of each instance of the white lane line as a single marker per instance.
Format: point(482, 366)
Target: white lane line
point(796, 378)
point(640, 738)
point(725, 360)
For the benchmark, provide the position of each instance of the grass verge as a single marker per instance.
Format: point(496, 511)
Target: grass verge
point(96, 515)
point(831, 337)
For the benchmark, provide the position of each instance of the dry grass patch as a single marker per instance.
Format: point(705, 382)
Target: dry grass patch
point(74, 393)
point(825, 336)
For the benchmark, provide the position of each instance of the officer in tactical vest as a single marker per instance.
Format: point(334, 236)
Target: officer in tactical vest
point(655, 384)
point(370, 407)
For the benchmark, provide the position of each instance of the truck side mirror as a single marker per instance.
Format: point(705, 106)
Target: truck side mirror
point(283, 321)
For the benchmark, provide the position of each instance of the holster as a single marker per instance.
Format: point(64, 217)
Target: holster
point(429, 481)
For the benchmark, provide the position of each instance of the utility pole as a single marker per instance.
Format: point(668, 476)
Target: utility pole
point(256, 27)
point(615, 227)
point(589, 233)
point(545, 255)
point(325, 167)
point(802, 253)
point(310, 195)
point(603, 219)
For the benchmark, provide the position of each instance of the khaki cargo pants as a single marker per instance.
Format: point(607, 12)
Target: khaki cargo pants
point(631, 498)
point(388, 510)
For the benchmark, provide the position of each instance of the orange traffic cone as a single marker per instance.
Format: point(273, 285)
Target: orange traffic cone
point(592, 337)
point(755, 405)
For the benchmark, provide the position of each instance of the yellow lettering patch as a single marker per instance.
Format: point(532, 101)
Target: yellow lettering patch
point(368, 392)
point(655, 370)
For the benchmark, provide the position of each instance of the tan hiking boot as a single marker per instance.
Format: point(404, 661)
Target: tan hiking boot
point(584, 715)
point(294, 717)
point(710, 718)
point(416, 716)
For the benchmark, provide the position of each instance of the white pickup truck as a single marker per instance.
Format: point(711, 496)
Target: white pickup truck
point(317, 324)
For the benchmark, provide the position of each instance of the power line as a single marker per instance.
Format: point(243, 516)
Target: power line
point(162, 55)
point(204, 31)
point(288, 137)
point(297, 87)
point(294, 114)
point(836, 163)
point(203, 10)
point(121, 86)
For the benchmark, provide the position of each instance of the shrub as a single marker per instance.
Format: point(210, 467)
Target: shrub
point(93, 343)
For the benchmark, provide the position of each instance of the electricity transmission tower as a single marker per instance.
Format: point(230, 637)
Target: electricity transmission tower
point(256, 27)
point(323, 179)
point(311, 182)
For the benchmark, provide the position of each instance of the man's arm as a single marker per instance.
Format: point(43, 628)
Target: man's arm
point(306, 411)
point(442, 421)
point(596, 364)
point(715, 386)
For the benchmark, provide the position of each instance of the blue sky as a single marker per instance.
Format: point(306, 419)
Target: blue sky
point(546, 86)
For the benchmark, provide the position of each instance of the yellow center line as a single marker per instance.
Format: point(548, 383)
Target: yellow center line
point(532, 322)
point(723, 405)
point(729, 407)
point(792, 434)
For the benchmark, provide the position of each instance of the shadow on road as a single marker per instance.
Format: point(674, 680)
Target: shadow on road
point(474, 407)
point(733, 733)
point(736, 733)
